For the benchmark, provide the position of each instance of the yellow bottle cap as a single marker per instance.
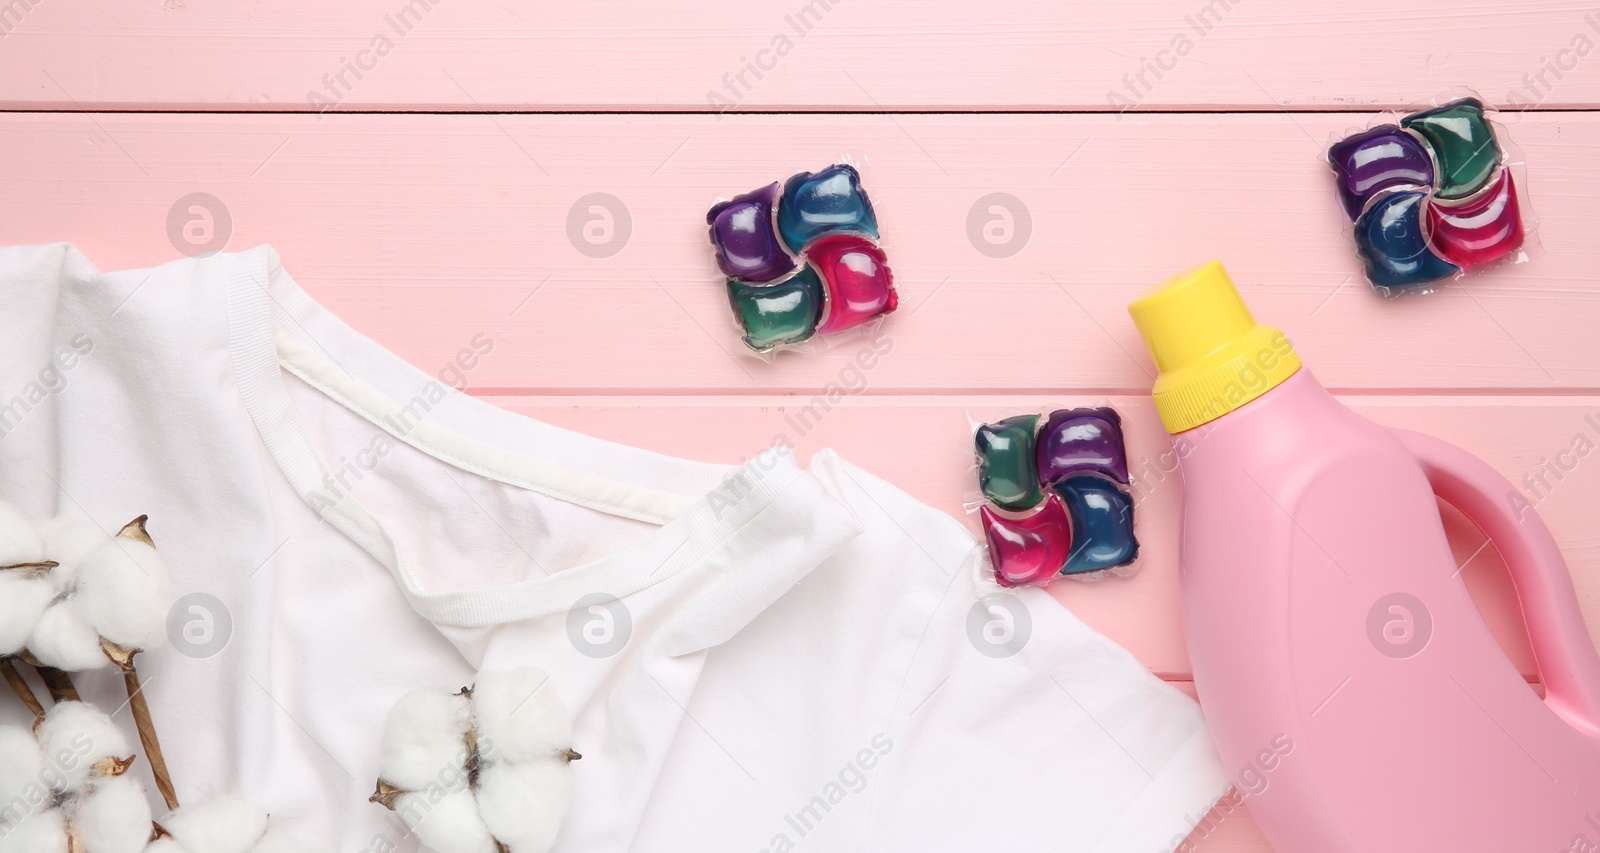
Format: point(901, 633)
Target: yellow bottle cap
point(1213, 356)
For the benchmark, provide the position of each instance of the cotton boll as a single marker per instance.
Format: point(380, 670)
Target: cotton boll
point(19, 540)
point(23, 786)
point(69, 542)
point(125, 591)
point(74, 736)
point(40, 832)
point(24, 595)
point(21, 765)
point(113, 817)
point(424, 738)
point(165, 845)
point(450, 825)
point(523, 804)
point(277, 842)
point(223, 824)
point(519, 715)
point(65, 640)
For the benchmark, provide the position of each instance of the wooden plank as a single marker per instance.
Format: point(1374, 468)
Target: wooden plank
point(425, 230)
point(806, 54)
point(923, 445)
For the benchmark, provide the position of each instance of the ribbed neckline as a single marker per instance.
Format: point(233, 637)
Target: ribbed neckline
point(275, 326)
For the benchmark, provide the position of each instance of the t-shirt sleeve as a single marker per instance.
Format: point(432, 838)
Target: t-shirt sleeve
point(1019, 728)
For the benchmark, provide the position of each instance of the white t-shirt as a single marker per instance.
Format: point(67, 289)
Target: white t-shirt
point(766, 657)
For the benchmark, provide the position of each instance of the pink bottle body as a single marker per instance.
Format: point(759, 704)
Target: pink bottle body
point(1356, 695)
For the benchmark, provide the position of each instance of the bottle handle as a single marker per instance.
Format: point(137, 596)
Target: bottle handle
point(1562, 648)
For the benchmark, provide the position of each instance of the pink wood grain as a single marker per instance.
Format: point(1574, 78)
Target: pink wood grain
point(426, 230)
point(631, 54)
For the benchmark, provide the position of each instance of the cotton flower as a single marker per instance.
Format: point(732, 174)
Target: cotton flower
point(64, 786)
point(24, 595)
point(486, 770)
point(451, 825)
point(41, 832)
point(83, 733)
point(113, 817)
point(519, 712)
point(73, 599)
point(125, 591)
point(222, 824)
point(107, 598)
point(425, 732)
point(25, 793)
point(523, 804)
point(69, 542)
point(25, 591)
point(63, 639)
point(277, 842)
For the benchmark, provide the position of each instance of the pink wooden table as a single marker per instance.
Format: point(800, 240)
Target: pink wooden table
point(417, 167)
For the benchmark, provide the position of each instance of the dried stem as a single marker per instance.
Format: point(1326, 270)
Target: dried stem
point(59, 684)
point(147, 737)
point(123, 658)
point(20, 687)
point(32, 569)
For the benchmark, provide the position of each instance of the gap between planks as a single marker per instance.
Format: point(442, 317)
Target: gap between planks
point(819, 109)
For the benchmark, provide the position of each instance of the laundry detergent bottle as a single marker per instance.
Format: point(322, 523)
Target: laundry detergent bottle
point(1357, 698)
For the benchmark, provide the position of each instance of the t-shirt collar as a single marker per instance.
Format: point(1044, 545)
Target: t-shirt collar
point(275, 326)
